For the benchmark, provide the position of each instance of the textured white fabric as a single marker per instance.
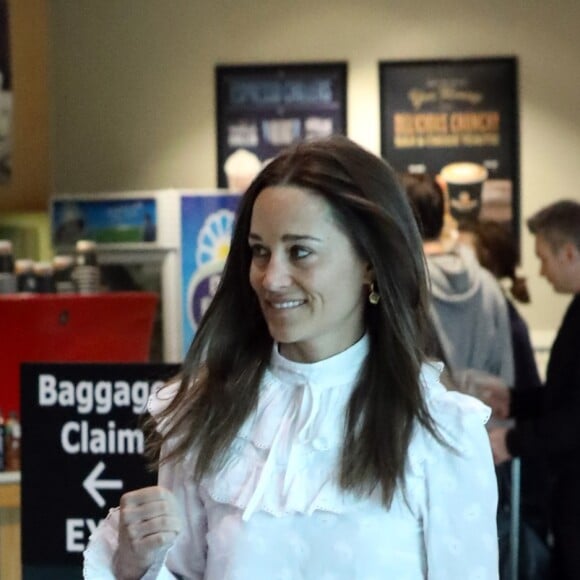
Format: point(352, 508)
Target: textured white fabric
point(275, 512)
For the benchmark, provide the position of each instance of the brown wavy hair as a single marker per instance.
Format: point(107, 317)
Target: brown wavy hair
point(222, 371)
point(497, 251)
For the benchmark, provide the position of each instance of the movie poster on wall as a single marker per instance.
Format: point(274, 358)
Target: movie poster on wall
point(457, 119)
point(264, 109)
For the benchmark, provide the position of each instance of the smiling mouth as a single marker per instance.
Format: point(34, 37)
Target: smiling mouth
point(287, 304)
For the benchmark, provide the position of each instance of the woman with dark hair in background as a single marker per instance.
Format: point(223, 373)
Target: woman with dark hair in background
point(309, 436)
point(497, 250)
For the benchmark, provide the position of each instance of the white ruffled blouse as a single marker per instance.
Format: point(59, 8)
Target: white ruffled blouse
point(274, 510)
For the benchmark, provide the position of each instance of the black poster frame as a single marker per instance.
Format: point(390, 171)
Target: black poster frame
point(492, 79)
point(319, 94)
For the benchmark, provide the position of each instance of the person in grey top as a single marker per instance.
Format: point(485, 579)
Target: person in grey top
point(467, 305)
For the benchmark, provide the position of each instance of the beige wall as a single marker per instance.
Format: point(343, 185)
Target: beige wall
point(30, 181)
point(133, 83)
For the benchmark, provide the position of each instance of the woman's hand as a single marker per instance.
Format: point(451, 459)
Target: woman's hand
point(498, 439)
point(498, 397)
point(149, 523)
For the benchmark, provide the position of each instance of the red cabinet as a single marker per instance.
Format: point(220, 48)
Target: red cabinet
point(108, 327)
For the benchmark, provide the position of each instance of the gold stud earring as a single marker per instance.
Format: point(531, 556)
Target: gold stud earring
point(374, 296)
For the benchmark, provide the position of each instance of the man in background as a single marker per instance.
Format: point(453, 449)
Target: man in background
point(548, 418)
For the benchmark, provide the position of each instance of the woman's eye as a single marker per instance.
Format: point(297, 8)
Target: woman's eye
point(258, 251)
point(299, 253)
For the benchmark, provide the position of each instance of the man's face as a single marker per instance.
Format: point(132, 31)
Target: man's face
point(559, 266)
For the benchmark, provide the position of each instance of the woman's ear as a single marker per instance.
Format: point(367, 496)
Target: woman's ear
point(571, 252)
point(369, 275)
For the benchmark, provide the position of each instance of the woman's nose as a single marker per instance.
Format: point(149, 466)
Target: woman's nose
point(275, 275)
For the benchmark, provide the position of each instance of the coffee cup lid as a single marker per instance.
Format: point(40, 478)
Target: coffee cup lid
point(5, 247)
point(464, 172)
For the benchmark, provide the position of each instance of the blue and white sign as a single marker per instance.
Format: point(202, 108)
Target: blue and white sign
point(206, 229)
point(105, 221)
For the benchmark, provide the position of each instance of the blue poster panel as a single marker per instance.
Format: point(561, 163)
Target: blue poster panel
point(104, 221)
point(458, 119)
point(263, 109)
point(206, 230)
point(82, 448)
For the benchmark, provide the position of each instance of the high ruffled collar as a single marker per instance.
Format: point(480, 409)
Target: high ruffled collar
point(339, 369)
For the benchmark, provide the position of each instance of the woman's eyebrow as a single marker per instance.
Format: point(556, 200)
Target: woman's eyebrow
point(288, 237)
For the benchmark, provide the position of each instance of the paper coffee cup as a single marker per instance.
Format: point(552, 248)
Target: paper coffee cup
point(464, 181)
point(240, 168)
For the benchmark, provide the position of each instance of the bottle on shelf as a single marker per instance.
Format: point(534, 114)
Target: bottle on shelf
point(63, 274)
point(44, 277)
point(12, 439)
point(86, 274)
point(25, 277)
point(7, 274)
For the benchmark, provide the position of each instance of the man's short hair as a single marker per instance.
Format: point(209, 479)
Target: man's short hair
point(558, 223)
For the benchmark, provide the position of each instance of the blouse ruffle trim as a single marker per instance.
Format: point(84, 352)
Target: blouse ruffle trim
point(455, 416)
point(285, 457)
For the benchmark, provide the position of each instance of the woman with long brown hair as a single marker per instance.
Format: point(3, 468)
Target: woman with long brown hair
point(308, 435)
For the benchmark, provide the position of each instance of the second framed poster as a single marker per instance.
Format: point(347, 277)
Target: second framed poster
point(458, 119)
point(263, 109)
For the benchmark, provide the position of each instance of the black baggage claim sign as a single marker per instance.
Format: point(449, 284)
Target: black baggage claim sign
point(81, 450)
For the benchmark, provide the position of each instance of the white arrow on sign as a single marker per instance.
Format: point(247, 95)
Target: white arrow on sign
point(92, 484)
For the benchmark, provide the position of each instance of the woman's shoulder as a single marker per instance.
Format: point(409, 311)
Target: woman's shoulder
point(445, 404)
point(160, 398)
point(459, 420)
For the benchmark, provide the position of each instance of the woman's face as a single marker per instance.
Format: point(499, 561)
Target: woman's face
point(309, 280)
